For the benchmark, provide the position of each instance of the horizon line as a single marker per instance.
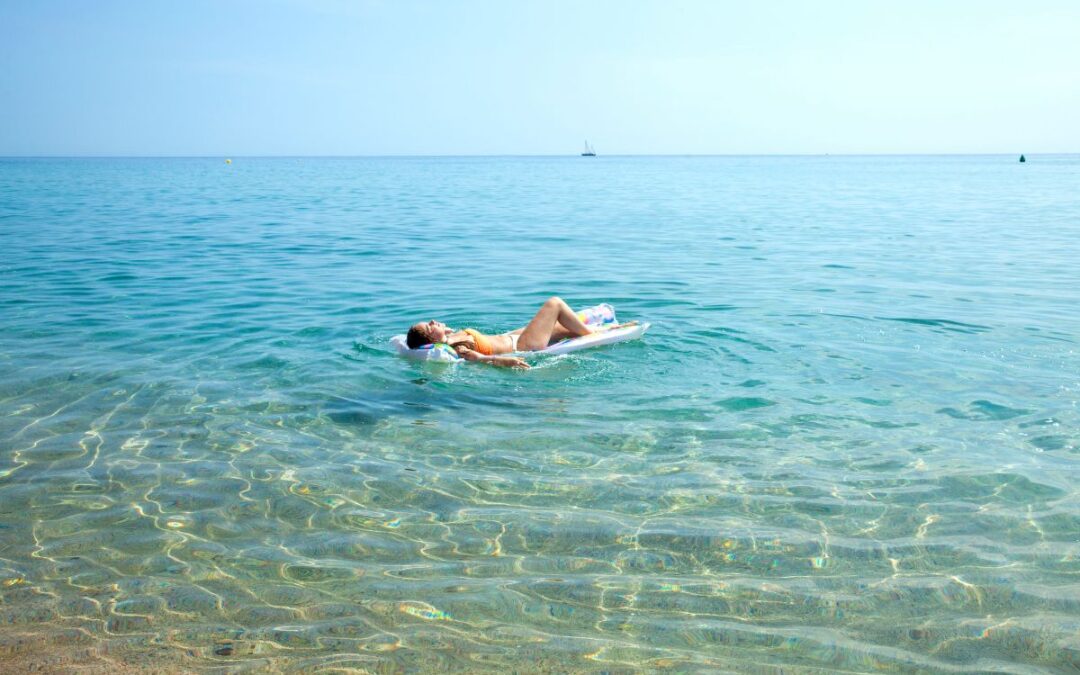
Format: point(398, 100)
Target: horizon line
point(545, 156)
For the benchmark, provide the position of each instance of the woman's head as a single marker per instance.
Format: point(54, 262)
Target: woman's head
point(426, 332)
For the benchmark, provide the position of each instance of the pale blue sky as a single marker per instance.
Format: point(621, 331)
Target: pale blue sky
point(332, 77)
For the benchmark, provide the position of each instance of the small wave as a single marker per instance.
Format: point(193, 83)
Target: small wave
point(945, 324)
point(985, 411)
point(741, 403)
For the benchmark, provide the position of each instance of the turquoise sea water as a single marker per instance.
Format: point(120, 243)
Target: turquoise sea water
point(850, 441)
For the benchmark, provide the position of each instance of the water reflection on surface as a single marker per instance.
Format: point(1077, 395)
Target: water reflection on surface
point(849, 442)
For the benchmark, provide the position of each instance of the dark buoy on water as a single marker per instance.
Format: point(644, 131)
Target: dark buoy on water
point(1022, 159)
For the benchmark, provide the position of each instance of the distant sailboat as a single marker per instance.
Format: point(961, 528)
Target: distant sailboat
point(589, 152)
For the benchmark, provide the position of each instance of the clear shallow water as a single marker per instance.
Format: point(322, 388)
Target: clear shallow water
point(850, 440)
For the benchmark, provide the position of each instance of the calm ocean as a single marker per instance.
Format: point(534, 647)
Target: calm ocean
point(850, 441)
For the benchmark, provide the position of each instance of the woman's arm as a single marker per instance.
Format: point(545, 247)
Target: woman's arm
point(504, 361)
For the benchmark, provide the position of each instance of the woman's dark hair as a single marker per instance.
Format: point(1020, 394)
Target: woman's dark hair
point(416, 338)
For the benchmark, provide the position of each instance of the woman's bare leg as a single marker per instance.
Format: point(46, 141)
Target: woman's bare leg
point(554, 313)
point(558, 333)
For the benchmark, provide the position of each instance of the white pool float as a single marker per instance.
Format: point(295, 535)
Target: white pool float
point(600, 315)
point(605, 337)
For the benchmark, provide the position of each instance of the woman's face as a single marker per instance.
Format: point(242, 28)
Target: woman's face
point(436, 330)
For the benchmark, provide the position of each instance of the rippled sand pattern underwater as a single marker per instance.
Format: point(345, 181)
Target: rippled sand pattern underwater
point(850, 441)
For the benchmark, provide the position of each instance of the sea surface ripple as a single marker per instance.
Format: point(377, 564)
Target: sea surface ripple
point(850, 441)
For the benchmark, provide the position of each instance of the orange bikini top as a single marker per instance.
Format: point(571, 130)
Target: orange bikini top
point(483, 345)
